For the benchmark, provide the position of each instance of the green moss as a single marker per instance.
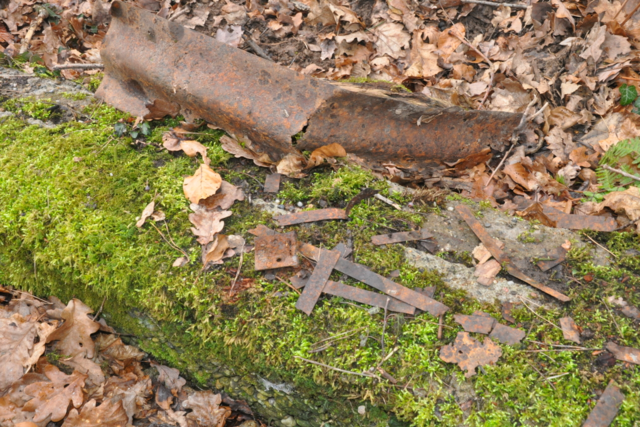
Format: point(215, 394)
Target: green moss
point(77, 96)
point(68, 228)
point(37, 109)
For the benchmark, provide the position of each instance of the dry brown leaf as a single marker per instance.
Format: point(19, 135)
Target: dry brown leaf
point(207, 223)
point(520, 175)
point(216, 250)
point(424, 59)
point(206, 409)
point(615, 46)
point(146, 213)
point(291, 165)
point(560, 143)
point(108, 414)
point(111, 346)
point(392, 39)
point(627, 202)
point(87, 367)
point(74, 336)
point(594, 41)
point(170, 377)
point(468, 353)
point(204, 183)
point(16, 345)
point(180, 262)
point(447, 43)
point(52, 399)
point(232, 36)
point(233, 146)
point(563, 118)
point(319, 155)
point(224, 198)
point(563, 12)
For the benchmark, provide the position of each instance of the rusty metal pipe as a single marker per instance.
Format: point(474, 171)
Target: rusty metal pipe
point(154, 67)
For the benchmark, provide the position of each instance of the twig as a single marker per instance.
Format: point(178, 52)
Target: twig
point(620, 10)
point(42, 13)
point(574, 347)
point(561, 349)
point(537, 315)
point(463, 40)
point(337, 336)
point(288, 284)
point(635, 9)
point(387, 357)
point(635, 79)
point(494, 4)
point(590, 238)
point(387, 201)
point(488, 91)
point(613, 318)
point(558, 376)
point(168, 242)
point(543, 377)
point(384, 325)
point(100, 309)
point(499, 165)
point(621, 172)
point(235, 279)
point(368, 375)
point(256, 49)
point(179, 13)
point(440, 323)
point(78, 67)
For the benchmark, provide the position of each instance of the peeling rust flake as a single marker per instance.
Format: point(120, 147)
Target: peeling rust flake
point(155, 67)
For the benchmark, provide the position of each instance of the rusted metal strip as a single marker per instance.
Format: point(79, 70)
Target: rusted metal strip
point(272, 183)
point(475, 323)
point(352, 293)
point(403, 236)
point(361, 273)
point(276, 251)
point(607, 407)
point(310, 216)
point(325, 265)
point(155, 67)
point(626, 354)
point(492, 246)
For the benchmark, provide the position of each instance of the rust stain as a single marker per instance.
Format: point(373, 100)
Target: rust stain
point(276, 251)
point(310, 216)
point(155, 67)
point(469, 353)
point(607, 407)
point(403, 236)
point(492, 246)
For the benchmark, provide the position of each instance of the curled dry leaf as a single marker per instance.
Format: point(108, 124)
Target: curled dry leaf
point(87, 367)
point(207, 223)
point(112, 347)
point(170, 377)
point(627, 202)
point(291, 165)
point(319, 155)
point(204, 183)
point(224, 198)
point(108, 414)
point(216, 250)
point(206, 409)
point(233, 146)
point(180, 262)
point(52, 399)
point(146, 213)
point(16, 345)
point(74, 336)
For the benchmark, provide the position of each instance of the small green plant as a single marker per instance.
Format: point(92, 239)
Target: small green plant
point(624, 156)
point(121, 128)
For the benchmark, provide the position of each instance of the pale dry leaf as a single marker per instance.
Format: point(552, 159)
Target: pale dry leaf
point(206, 409)
point(612, 128)
point(563, 12)
point(392, 39)
point(486, 273)
point(234, 13)
point(74, 336)
point(233, 146)
point(291, 165)
point(215, 251)
point(180, 262)
point(560, 143)
point(16, 345)
point(567, 88)
point(319, 155)
point(231, 36)
point(627, 202)
point(146, 213)
point(207, 224)
point(87, 367)
point(594, 41)
point(448, 43)
point(192, 148)
point(52, 399)
point(109, 414)
point(328, 48)
point(224, 198)
point(615, 46)
point(500, 14)
point(158, 216)
point(204, 183)
point(44, 330)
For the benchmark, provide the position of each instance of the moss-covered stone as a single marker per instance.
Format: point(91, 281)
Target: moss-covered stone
point(70, 196)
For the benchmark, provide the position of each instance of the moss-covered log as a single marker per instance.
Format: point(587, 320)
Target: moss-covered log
point(69, 198)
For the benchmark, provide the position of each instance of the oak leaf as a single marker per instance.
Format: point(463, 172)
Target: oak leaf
point(206, 409)
point(52, 399)
point(16, 345)
point(170, 377)
point(392, 39)
point(109, 414)
point(233, 146)
point(74, 336)
point(321, 154)
point(204, 183)
point(224, 198)
point(627, 202)
point(207, 223)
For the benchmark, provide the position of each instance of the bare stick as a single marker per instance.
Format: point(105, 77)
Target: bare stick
point(288, 284)
point(100, 309)
point(463, 40)
point(179, 13)
point(78, 67)
point(256, 49)
point(499, 165)
point(613, 318)
point(621, 172)
point(486, 93)
point(168, 242)
point(494, 4)
point(612, 254)
point(388, 356)
point(635, 79)
point(537, 315)
point(387, 201)
point(35, 24)
point(361, 374)
point(542, 375)
point(440, 324)
point(235, 279)
point(384, 325)
point(557, 376)
point(620, 10)
point(574, 347)
point(635, 9)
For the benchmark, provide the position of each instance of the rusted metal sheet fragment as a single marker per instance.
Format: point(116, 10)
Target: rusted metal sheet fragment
point(607, 407)
point(276, 251)
point(475, 323)
point(580, 222)
point(344, 250)
point(262, 230)
point(429, 291)
point(507, 334)
point(403, 236)
point(507, 307)
point(155, 67)
point(300, 279)
point(631, 312)
point(626, 354)
point(570, 329)
point(363, 274)
point(310, 216)
point(556, 257)
point(312, 291)
point(272, 183)
point(468, 353)
point(492, 246)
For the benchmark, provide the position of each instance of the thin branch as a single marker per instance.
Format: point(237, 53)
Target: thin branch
point(543, 377)
point(620, 10)
point(494, 4)
point(235, 279)
point(32, 30)
point(100, 309)
point(256, 49)
point(387, 201)
point(589, 237)
point(537, 315)
point(288, 284)
point(635, 79)
point(384, 325)
point(621, 172)
point(78, 67)
point(440, 324)
point(368, 375)
point(168, 242)
point(635, 9)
